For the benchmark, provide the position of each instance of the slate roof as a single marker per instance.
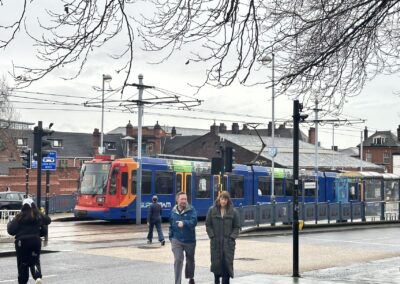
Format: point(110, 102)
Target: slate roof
point(326, 158)
point(74, 144)
point(391, 140)
point(351, 151)
point(170, 144)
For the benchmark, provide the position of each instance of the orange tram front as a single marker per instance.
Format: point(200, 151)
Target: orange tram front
point(104, 190)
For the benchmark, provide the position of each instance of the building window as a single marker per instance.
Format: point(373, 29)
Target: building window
point(110, 145)
point(368, 157)
point(57, 143)
point(386, 158)
point(22, 142)
point(62, 163)
point(379, 140)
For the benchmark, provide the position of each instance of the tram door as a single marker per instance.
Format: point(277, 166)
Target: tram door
point(188, 187)
point(184, 183)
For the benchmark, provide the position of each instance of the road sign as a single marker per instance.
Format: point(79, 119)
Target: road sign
point(48, 163)
point(272, 151)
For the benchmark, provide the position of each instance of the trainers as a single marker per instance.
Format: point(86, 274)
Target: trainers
point(191, 281)
point(149, 241)
point(39, 281)
point(163, 242)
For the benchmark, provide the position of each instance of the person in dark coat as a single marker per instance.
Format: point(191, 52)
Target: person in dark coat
point(222, 225)
point(26, 227)
point(154, 219)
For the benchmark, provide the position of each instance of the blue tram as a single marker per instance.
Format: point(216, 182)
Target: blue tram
point(107, 187)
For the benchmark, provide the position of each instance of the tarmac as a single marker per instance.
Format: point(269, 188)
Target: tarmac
point(356, 267)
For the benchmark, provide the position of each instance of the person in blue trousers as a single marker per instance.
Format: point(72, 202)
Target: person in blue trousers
point(182, 234)
point(154, 219)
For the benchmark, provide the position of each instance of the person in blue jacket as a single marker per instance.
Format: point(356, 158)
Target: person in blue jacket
point(182, 234)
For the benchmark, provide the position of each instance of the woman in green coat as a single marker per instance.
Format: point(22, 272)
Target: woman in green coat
point(222, 225)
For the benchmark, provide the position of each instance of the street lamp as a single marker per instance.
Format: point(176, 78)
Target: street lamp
point(106, 78)
point(272, 151)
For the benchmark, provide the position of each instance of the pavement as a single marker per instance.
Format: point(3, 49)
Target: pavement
point(318, 264)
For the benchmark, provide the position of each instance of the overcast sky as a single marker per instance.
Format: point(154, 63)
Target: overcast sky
point(377, 103)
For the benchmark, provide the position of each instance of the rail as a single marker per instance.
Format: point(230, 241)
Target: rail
point(5, 215)
point(323, 212)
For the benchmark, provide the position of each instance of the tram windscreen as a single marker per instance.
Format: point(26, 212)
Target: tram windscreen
point(93, 179)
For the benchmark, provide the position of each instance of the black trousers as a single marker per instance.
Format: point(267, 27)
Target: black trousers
point(225, 274)
point(28, 258)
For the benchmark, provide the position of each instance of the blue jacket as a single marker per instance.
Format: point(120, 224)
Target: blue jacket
point(187, 234)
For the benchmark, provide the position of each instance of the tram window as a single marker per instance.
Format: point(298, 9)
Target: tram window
point(289, 187)
point(146, 182)
point(124, 183)
point(164, 182)
point(236, 186)
point(216, 181)
point(352, 191)
point(178, 186)
point(113, 182)
point(203, 189)
point(372, 189)
point(264, 185)
point(278, 189)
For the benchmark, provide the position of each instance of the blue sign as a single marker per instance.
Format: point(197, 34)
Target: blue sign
point(48, 163)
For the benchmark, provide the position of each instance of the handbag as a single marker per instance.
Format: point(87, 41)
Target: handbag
point(44, 230)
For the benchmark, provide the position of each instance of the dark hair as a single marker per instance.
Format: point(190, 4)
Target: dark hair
point(29, 213)
point(224, 195)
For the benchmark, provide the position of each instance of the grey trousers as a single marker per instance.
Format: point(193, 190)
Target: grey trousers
point(178, 248)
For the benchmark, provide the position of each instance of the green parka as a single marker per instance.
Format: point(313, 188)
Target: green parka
point(222, 233)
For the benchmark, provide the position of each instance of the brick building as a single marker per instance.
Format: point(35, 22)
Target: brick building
point(380, 147)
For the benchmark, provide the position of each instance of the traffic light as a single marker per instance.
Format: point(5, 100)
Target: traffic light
point(40, 142)
point(26, 158)
point(229, 159)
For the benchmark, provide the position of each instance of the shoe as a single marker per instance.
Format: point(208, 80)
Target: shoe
point(191, 281)
point(149, 241)
point(163, 242)
point(39, 281)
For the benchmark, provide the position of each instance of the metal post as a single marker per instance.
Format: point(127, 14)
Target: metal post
point(333, 146)
point(361, 152)
point(316, 151)
point(296, 121)
point(26, 182)
point(38, 141)
point(46, 208)
point(273, 130)
point(139, 154)
point(102, 117)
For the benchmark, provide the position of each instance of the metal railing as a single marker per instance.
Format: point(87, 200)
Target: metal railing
point(323, 212)
point(5, 216)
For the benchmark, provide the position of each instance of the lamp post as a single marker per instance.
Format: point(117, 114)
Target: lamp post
point(106, 78)
point(265, 60)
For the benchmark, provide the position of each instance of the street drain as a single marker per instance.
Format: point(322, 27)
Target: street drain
point(247, 258)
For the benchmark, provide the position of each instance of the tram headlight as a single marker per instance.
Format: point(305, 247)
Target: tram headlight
point(100, 199)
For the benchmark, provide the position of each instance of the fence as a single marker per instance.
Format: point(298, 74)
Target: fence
point(57, 204)
point(5, 215)
point(326, 212)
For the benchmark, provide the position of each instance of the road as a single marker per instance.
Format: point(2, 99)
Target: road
point(101, 252)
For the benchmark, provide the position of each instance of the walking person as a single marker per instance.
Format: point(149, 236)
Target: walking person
point(26, 227)
point(222, 226)
point(182, 234)
point(154, 219)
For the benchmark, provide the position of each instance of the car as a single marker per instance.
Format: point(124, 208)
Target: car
point(11, 200)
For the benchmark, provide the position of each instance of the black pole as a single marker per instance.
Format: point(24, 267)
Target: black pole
point(26, 182)
point(47, 192)
point(38, 151)
point(296, 121)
